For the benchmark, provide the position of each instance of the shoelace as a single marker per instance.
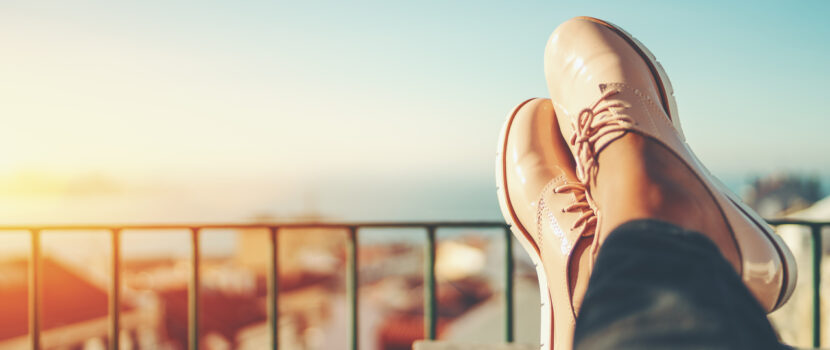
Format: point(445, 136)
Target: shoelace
point(593, 123)
point(587, 220)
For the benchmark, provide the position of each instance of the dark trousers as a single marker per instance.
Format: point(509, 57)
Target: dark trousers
point(657, 286)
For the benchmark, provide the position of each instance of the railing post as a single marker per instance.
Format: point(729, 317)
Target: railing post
point(508, 285)
point(34, 290)
point(352, 286)
point(115, 288)
point(273, 288)
point(193, 293)
point(815, 231)
point(430, 316)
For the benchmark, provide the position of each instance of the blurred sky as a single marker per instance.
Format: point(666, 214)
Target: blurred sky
point(162, 110)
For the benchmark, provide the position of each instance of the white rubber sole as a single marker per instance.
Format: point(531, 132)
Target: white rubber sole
point(784, 252)
point(524, 237)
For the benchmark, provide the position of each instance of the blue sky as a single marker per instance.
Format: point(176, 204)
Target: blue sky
point(329, 99)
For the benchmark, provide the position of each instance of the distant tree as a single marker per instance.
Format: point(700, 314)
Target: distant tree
point(778, 194)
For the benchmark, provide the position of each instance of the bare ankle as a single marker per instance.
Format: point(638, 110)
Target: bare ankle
point(639, 179)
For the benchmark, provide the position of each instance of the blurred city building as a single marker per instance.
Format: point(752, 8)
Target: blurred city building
point(74, 310)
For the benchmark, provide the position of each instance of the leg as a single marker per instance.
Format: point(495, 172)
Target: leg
point(657, 286)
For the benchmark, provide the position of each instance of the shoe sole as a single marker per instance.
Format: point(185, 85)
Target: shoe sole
point(784, 252)
point(521, 234)
point(669, 101)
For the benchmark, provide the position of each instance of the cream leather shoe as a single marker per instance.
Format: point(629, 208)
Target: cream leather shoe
point(544, 203)
point(605, 84)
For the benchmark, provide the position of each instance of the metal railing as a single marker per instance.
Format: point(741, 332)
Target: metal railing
point(430, 301)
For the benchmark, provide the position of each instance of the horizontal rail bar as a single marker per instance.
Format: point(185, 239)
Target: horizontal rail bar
point(337, 225)
point(799, 222)
point(289, 225)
